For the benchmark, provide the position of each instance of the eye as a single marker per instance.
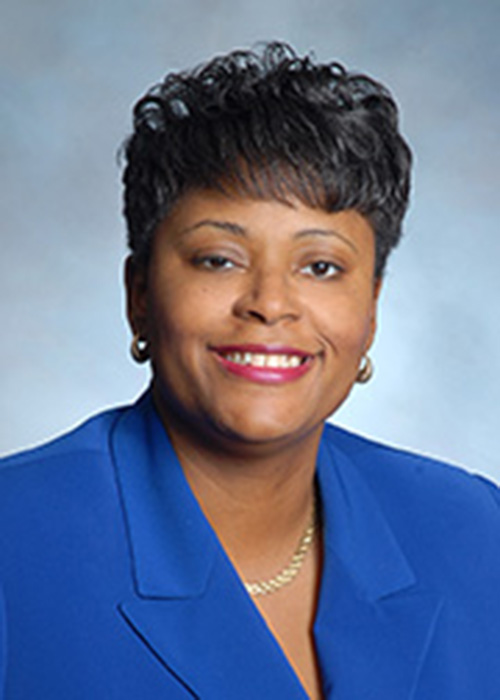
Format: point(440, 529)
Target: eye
point(322, 269)
point(214, 262)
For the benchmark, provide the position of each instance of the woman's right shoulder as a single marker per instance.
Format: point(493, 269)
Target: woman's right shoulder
point(91, 437)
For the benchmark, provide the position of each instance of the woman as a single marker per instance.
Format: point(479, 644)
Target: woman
point(217, 539)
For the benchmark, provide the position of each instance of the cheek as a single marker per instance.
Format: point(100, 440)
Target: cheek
point(170, 327)
point(181, 317)
point(346, 325)
point(165, 315)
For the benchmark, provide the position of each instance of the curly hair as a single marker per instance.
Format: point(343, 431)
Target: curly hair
point(268, 124)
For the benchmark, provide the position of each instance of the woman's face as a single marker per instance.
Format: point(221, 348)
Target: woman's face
point(257, 313)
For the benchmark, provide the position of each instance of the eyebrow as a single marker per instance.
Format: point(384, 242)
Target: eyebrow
point(238, 230)
point(235, 229)
point(326, 232)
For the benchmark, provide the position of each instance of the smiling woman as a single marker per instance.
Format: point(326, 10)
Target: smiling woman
point(231, 311)
point(217, 539)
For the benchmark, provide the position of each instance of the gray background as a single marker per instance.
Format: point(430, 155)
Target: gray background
point(70, 71)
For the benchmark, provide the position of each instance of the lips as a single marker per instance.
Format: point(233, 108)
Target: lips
point(264, 364)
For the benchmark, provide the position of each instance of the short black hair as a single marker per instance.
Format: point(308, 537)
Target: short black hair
point(269, 124)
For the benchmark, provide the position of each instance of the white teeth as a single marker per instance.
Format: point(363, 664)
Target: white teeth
point(261, 360)
point(258, 361)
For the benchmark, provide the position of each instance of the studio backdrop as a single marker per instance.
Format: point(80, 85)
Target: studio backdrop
point(70, 72)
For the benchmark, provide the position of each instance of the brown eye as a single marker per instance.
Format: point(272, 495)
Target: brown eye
point(321, 269)
point(214, 262)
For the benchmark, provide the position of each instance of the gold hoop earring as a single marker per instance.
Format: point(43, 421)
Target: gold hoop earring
point(365, 372)
point(139, 349)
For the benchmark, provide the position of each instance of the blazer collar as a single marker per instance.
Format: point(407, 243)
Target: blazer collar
point(373, 624)
point(374, 620)
point(172, 545)
point(191, 609)
point(356, 532)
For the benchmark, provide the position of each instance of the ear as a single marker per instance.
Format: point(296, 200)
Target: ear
point(373, 319)
point(137, 296)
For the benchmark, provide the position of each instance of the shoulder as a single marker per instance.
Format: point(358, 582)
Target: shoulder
point(77, 461)
point(90, 436)
point(416, 488)
point(380, 461)
point(60, 502)
point(445, 519)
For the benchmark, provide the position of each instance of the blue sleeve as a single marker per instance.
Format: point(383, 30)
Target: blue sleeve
point(3, 646)
point(492, 488)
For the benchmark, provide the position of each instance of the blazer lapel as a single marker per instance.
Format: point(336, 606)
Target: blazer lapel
point(374, 622)
point(190, 608)
point(216, 644)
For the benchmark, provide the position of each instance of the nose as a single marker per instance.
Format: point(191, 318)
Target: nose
point(268, 298)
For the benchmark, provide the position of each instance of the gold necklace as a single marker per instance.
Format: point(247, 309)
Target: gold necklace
point(290, 571)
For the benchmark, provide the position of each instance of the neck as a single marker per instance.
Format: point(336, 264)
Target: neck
point(257, 498)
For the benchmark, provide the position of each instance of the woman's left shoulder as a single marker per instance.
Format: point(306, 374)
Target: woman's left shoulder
point(418, 479)
point(440, 515)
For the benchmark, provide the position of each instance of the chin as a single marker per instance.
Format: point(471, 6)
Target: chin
point(263, 429)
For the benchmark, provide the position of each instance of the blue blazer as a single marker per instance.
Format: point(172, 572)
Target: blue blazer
point(115, 587)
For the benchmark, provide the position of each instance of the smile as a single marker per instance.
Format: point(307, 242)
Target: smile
point(264, 365)
point(265, 360)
